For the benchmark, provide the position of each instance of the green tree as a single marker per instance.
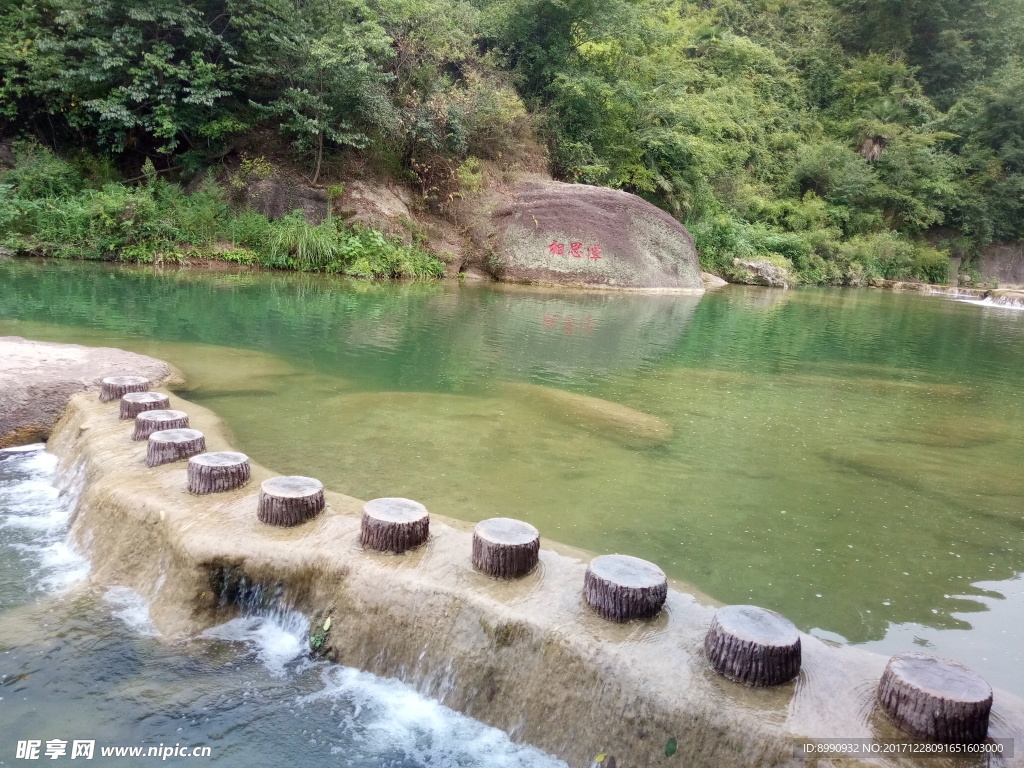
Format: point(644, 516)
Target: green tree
point(314, 66)
point(139, 74)
point(989, 123)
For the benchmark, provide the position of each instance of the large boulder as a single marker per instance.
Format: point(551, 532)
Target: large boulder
point(38, 378)
point(584, 236)
point(761, 272)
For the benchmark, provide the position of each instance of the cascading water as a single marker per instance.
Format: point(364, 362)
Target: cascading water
point(80, 665)
point(1002, 302)
point(34, 524)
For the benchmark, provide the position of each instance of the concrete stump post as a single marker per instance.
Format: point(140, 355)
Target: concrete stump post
point(290, 500)
point(394, 525)
point(505, 548)
point(621, 588)
point(217, 471)
point(170, 445)
point(753, 645)
point(115, 387)
point(148, 422)
point(135, 403)
point(934, 698)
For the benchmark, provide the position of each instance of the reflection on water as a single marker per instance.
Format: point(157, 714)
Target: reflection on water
point(849, 458)
point(989, 626)
point(78, 666)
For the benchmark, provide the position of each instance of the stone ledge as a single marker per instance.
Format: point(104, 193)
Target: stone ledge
point(526, 656)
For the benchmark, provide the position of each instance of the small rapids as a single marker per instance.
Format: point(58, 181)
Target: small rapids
point(999, 302)
point(34, 517)
point(77, 665)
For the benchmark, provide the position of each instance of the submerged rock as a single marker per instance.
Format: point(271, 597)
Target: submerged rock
point(613, 420)
point(584, 236)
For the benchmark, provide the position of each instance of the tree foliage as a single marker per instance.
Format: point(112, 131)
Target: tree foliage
point(847, 138)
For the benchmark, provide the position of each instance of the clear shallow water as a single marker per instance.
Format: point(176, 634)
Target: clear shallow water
point(76, 665)
point(849, 458)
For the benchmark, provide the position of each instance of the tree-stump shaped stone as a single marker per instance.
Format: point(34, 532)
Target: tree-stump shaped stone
point(291, 500)
point(505, 548)
point(394, 525)
point(170, 445)
point(934, 698)
point(753, 645)
point(217, 471)
point(135, 403)
point(148, 422)
point(622, 588)
point(115, 387)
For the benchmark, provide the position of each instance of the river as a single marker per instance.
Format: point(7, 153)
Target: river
point(849, 458)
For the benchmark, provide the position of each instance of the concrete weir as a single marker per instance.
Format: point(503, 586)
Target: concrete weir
point(528, 656)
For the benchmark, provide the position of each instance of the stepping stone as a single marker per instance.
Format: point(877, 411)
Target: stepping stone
point(621, 588)
point(290, 500)
point(217, 471)
point(934, 698)
point(148, 422)
point(135, 403)
point(505, 548)
point(753, 645)
point(115, 387)
point(394, 525)
point(170, 445)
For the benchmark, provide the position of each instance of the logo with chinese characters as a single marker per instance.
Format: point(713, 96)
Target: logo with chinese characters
point(29, 749)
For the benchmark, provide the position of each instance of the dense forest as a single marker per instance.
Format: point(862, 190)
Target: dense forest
point(846, 139)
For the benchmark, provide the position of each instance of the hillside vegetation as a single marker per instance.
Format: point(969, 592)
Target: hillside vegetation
point(846, 139)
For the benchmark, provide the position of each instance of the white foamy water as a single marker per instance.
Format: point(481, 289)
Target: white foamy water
point(1010, 307)
point(131, 608)
point(386, 718)
point(277, 638)
point(351, 718)
point(34, 517)
point(375, 720)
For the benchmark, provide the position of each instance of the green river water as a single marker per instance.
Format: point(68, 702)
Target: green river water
point(850, 458)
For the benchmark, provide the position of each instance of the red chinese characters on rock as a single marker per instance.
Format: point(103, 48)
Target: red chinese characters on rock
point(593, 252)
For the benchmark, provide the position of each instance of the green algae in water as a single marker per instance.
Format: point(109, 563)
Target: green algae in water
point(847, 458)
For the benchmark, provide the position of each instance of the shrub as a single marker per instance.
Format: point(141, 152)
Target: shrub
point(38, 172)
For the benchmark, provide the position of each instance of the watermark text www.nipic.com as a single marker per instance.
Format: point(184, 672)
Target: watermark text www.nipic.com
point(85, 749)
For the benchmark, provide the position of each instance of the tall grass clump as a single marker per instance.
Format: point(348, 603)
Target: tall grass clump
point(49, 207)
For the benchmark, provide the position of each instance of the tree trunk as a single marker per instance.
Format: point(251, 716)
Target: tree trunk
point(218, 471)
point(753, 645)
point(621, 588)
point(394, 525)
point(114, 387)
point(148, 422)
point(935, 698)
point(169, 445)
point(504, 548)
point(135, 403)
point(288, 501)
point(319, 157)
